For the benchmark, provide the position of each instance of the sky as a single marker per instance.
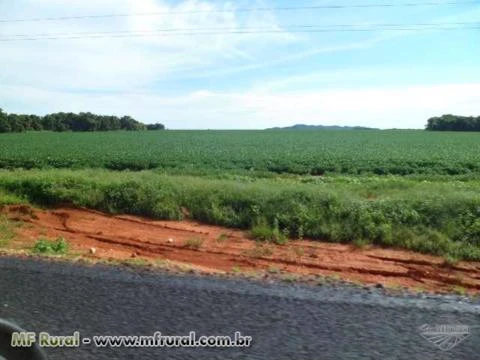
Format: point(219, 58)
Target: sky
point(254, 80)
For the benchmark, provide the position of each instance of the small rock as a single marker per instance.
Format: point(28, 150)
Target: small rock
point(170, 240)
point(379, 286)
point(93, 250)
point(134, 255)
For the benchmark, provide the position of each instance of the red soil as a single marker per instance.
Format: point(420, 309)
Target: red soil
point(216, 249)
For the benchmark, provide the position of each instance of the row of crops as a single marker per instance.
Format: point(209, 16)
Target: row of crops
point(298, 152)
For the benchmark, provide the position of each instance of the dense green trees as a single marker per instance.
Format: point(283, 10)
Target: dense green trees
point(4, 123)
point(454, 123)
point(71, 122)
point(156, 126)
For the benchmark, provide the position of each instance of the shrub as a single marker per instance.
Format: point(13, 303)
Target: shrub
point(194, 243)
point(222, 237)
point(259, 251)
point(45, 246)
point(264, 232)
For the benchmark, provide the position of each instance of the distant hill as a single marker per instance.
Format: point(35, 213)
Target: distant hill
point(321, 127)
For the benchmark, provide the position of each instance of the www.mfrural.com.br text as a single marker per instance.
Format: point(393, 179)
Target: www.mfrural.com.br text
point(46, 340)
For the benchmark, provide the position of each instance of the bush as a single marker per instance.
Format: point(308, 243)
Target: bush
point(194, 243)
point(45, 246)
point(263, 232)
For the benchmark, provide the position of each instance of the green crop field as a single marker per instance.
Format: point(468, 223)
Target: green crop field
point(410, 189)
point(298, 152)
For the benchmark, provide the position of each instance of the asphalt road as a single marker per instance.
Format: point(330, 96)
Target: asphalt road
point(285, 321)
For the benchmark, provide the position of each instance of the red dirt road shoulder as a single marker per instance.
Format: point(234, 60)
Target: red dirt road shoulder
point(215, 249)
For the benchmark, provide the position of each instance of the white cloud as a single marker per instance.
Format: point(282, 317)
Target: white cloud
point(404, 107)
point(127, 62)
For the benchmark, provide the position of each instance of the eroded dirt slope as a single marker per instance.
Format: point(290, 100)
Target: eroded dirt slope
point(217, 249)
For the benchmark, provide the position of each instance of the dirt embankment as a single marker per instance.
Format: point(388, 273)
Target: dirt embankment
point(216, 249)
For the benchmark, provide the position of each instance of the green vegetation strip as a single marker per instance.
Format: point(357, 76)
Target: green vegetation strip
point(434, 216)
point(264, 153)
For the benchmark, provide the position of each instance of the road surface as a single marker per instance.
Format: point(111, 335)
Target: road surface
point(285, 321)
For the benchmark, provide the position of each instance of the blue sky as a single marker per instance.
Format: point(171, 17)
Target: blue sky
point(379, 78)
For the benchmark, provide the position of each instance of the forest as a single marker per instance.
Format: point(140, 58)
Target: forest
point(454, 123)
point(63, 121)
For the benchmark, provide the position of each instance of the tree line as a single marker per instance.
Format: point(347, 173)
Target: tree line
point(454, 123)
point(61, 121)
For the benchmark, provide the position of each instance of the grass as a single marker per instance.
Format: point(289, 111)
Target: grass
point(432, 215)
point(44, 246)
point(290, 278)
point(160, 262)
point(273, 269)
point(420, 289)
point(333, 278)
point(137, 262)
point(222, 237)
point(450, 260)
point(264, 232)
point(259, 251)
point(7, 232)
point(10, 199)
point(194, 243)
point(298, 251)
point(361, 243)
point(7, 227)
point(459, 290)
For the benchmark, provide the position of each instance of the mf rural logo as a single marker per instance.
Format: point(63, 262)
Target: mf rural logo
point(445, 337)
